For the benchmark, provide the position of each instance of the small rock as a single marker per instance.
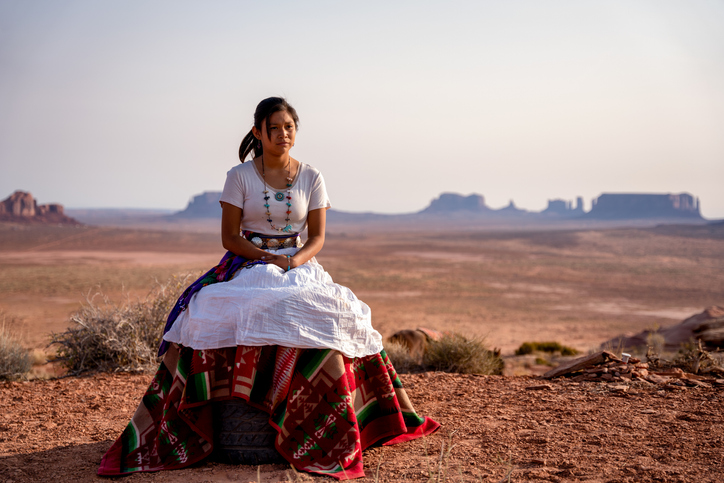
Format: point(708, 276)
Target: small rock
point(657, 379)
point(539, 387)
point(618, 388)
point(648, 411)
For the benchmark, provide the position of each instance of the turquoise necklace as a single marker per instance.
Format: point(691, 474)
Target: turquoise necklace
point(279, 197)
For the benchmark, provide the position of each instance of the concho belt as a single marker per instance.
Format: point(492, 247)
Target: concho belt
point(273, 242)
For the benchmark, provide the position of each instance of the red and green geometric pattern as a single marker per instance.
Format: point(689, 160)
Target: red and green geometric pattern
point(325, 407)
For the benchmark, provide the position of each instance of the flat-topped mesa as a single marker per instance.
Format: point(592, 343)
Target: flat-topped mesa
point(447, 202)
point(620, 206)
point(559, 207)
point(205, 205)
point(22, 207)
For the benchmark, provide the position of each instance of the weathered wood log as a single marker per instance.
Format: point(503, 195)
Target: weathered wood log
point(580, 364)
point(673, 372)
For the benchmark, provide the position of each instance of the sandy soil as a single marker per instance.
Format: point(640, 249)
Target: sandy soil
point(492, 427)
point(575, 287)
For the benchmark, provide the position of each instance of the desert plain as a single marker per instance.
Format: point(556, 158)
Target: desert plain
point(580, 287)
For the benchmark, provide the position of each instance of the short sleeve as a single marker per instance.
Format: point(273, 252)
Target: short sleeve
point(318, 197)
point(233, 189)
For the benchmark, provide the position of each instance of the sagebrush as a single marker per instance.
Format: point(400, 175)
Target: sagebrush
point(452, 353)
point(15, 360)
point(457, 353)
point(107, 336)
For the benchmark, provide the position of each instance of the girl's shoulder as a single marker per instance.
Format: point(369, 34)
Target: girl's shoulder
point(307, 170)
point(241, 169)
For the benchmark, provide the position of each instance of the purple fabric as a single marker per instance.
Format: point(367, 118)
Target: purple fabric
point(222, 272)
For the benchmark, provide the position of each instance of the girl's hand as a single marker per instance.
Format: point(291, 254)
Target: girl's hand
point(283, 261)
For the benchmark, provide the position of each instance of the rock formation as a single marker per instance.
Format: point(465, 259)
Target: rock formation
point(626, 206)
point(22, 207)
point(561, 207)
point(510, 210)
point(708, 326)
point(447, 202)
point(205, 205)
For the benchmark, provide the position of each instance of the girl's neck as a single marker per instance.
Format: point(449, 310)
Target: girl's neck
point(276, 162)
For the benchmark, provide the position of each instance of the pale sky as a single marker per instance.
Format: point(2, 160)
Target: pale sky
point(142, 104)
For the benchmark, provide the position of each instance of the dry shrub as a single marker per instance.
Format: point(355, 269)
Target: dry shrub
point(693, 358)
point(656, 342)
point(14, 359)
point(400, 357)
point(457, 353)
point(125, 337)
point(551, 347)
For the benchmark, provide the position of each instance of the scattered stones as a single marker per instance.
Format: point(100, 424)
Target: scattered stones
point(604, 366)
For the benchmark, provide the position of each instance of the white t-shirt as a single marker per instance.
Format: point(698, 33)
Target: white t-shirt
point(244, 188)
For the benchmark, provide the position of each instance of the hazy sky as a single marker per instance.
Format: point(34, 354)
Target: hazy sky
point(144, 103)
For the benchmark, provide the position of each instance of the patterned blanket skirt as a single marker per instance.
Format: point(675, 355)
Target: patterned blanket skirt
point(325, 407)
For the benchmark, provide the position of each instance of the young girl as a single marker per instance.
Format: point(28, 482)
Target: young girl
point(271, 327)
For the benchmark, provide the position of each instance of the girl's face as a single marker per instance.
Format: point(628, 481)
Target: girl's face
point(278, 137)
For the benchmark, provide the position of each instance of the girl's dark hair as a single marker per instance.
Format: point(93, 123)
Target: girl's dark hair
point(264, 110)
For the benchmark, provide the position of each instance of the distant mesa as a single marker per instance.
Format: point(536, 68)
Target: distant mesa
point(205, 205)
point(627, 206)
point(23, 208)
point(447, 202)
point(511, 210)
point(560, 207)
point(608, 206)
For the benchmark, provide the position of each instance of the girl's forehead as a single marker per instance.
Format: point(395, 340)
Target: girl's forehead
point(280, 117)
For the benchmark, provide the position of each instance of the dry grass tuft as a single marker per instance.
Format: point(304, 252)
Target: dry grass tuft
point(457, 353)
point(400, 357)
point(14, 359)
point(125, 337)
point(656, 341)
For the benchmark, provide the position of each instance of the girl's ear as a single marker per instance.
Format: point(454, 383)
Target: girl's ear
point(256, 132)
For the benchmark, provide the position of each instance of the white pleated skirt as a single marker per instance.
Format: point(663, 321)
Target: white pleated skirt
point(264, 305)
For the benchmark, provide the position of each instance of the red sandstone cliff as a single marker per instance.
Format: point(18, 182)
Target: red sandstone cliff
point(22, 207)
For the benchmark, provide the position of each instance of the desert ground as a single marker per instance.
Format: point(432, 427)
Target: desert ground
point(579, 287)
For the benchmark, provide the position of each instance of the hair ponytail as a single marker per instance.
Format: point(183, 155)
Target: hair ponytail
point(249, 144)
point(266, 108)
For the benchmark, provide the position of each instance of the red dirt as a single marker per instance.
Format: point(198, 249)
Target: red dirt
point(57, 430)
